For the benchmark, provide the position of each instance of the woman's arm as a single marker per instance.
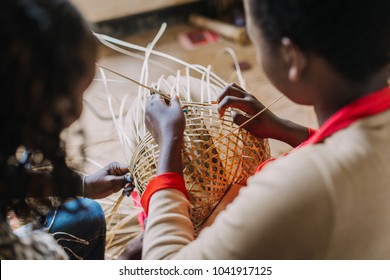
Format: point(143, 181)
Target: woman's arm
point(267, 124)
point(166, 123)
point(274, 217)
point(41, 184)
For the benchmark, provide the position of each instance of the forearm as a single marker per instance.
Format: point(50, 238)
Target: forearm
point(269, 236)
point(169, 227)
point(290, 133)
point(170, 157)
point(166, 202)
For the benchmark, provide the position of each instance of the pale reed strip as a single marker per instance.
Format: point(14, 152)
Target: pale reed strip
point(152, 90)
point(197, 68)
point(237, 71)
point(121, 223)
point(110, 220)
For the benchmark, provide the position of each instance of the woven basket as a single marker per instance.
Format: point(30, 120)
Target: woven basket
point(216, 155)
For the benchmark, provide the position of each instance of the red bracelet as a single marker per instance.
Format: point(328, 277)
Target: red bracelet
point(169, 180)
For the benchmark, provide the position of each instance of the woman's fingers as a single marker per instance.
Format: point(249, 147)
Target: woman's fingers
point(233, 96)
point(234, 102)
point(115, 168)
point(175, 101)
point(164, 122)
point(156, 103)
point(238, 88)
point(128, 189)
point(231, 90)
point(238, 118)
point(127, 178)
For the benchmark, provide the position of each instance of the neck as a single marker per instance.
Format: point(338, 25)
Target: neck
point(340, 93)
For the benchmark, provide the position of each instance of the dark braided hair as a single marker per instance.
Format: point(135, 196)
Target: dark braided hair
point(40, 63)
point(353, 35)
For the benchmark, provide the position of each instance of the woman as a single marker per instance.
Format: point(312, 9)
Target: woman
point(47, 60)
point(328, 199)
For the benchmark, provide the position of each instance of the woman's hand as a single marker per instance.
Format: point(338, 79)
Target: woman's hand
point(266, 125)
point(236, 98)
point(107, 181)
point(166, 123)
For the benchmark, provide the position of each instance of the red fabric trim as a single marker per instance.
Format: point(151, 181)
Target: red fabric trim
point(260, 167)
point(169, 180)
point(312, 131)
point(369, 105)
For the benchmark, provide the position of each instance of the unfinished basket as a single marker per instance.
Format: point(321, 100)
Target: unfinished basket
point(216, 155)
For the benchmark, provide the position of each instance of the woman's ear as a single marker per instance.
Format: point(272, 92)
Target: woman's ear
point(294, 58)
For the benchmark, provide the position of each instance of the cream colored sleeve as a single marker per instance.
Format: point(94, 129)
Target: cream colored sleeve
point(284, 213)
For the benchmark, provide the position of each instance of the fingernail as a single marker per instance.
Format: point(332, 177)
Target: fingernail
point(128, 178)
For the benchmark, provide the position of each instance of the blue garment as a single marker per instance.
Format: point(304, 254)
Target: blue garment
point(79, 226)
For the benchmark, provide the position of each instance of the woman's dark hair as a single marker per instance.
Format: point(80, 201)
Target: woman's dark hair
point(40, 62)
point(353, 35)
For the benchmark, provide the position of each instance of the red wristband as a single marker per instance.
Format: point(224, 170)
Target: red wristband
point(169, 180)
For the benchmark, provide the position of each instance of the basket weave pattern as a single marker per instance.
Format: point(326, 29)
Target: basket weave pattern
point(214, 158)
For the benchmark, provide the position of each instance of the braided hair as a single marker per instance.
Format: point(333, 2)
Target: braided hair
point(40, 62)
